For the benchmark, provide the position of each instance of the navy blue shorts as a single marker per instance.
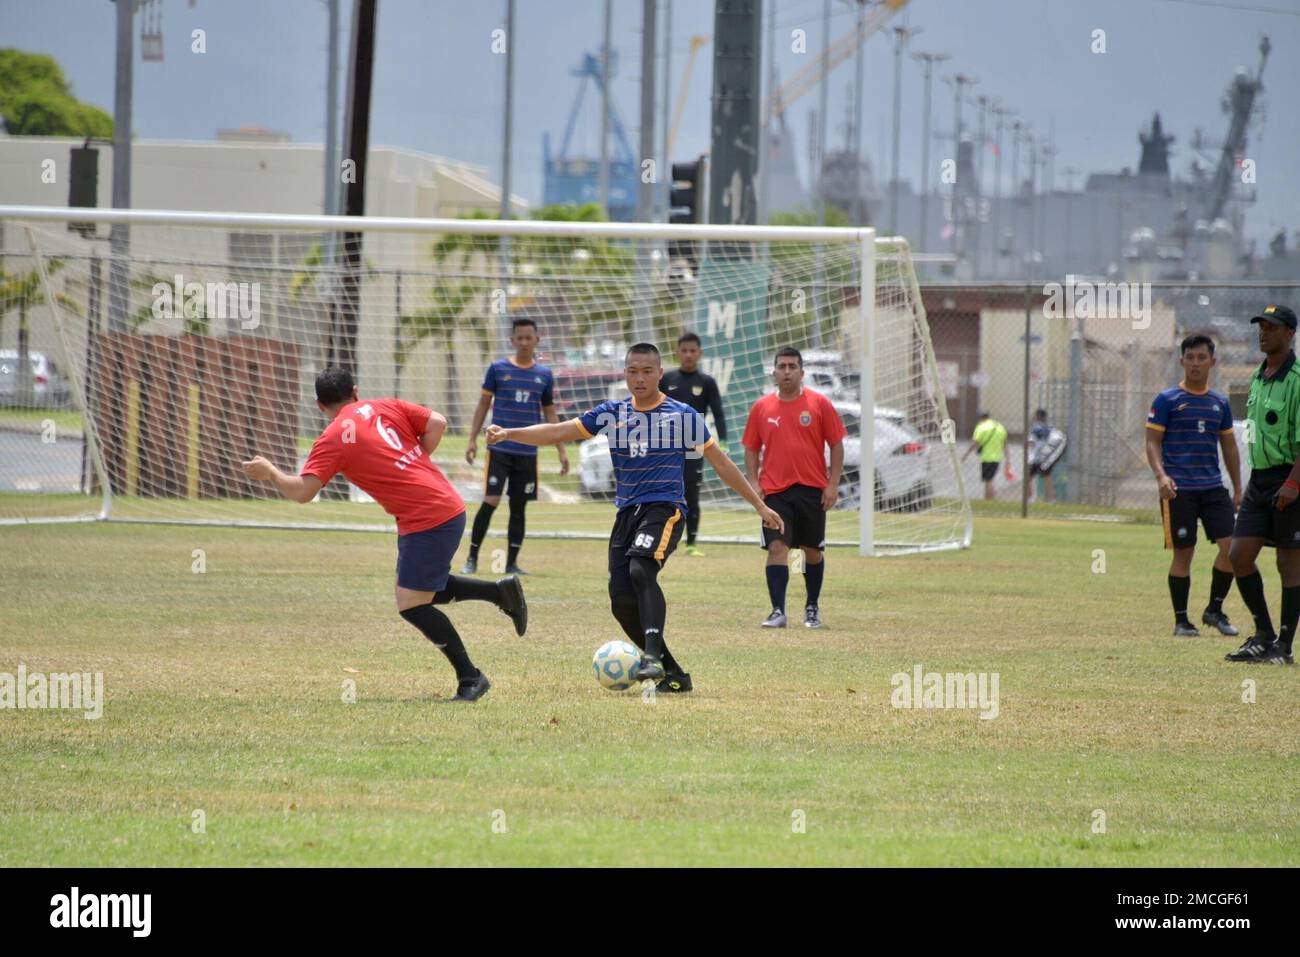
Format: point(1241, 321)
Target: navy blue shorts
point(424, 558)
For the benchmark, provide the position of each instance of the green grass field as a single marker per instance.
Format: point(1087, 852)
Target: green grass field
point(224, 696)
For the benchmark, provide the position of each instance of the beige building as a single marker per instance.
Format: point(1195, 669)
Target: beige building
point(259, 171)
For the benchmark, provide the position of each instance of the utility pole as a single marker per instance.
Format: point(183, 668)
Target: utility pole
point(346, 309)
point(1016, 127)
point(1001, 114)
point(507, 155)
point(901, 37)
point(977, 160)
point(642, 320)
point(1032, 143)
point(604, 111)
point(120, 234)
point(765, 131)
point(959, 82)
point(859, 208)
point(929, 59)
point(735, 121)
point(330, 201)
point(507, 133)
point(665, 168)
point(819, 173)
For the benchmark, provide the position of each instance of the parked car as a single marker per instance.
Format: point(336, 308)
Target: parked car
point(49, 385)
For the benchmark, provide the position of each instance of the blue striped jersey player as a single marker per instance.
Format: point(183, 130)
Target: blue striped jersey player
point(1187, 427)
point(520, 391)
point(650, 437)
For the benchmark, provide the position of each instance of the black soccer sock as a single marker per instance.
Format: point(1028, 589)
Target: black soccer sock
point(1220, 585)
point(464, 588)
point(651, 604)
point(626, 612)
point(515, 531)
point(628, 615)
point(812, 578)
point(438, 628)
point(482, 519)
point(1178, 590)
point(1252, 593)
point(692, 511)
point(1290, 616)
point(778, 578)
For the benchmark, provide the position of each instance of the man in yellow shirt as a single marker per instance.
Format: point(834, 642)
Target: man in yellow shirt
point(990, 437)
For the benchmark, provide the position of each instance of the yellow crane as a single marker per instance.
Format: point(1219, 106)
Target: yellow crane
point(844, 47)
point(697, 41)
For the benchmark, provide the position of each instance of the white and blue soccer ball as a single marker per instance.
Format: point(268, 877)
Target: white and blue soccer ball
point(617, 665)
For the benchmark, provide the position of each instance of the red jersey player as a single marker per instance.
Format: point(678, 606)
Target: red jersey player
point(382, 446)
point(792, 428)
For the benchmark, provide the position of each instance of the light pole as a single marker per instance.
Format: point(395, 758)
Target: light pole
point(929, 60)
point(901, 37)
point(818, 174)
point(1000, 113)
point(1016, 128)
point(959, 82)
point(604, 111)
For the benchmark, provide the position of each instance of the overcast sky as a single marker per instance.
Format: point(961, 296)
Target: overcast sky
point(438, 85)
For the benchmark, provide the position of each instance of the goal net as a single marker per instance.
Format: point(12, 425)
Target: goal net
point(144, 354)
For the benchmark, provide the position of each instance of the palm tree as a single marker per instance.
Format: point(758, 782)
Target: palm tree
point(197, 320)
point(24, 292)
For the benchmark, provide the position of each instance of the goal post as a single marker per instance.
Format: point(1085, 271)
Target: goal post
point(141, 401)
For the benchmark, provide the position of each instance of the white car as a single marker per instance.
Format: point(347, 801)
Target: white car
point(49, 387)
point(902, 463)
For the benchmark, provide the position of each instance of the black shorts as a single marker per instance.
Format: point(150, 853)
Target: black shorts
point(1213, 506)
point(424, 558)
point(643, 531)
point(518, 473)
point(1258, 517)
point(800, 507)
point(989, 471)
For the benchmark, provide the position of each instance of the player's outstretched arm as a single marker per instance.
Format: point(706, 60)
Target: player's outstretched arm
point(546, 433)
point(728, 472)
point(297, 488)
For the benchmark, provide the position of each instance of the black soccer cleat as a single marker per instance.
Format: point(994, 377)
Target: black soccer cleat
point(1257, 648)
point(1185, 630)
point(515, 570)
point(652, 669)
point(677, 683)
point(1277, 655)
point(470, 567)
point(513, 602)
point(1217, 619)
point(472, 689)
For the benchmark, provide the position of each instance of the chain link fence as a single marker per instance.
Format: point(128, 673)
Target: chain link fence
point(1092, 355)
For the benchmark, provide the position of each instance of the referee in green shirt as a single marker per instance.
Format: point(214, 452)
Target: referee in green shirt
point(1268, 513)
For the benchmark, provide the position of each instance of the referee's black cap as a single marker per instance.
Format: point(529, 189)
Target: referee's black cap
point(1283, 314)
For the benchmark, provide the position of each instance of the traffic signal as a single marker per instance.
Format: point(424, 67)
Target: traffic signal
point(83, 184)
point(687, 202)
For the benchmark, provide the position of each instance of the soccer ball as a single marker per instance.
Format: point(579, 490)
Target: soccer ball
point(617, 665)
